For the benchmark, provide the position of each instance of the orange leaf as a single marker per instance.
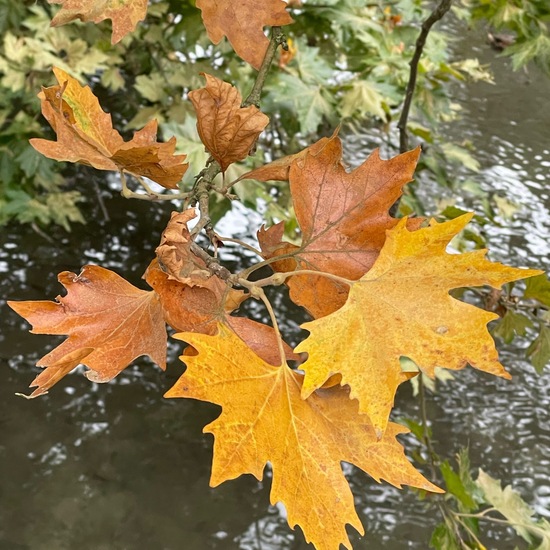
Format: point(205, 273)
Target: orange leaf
point(402, 307)
point(264, 420)
point(174, 252)
point(279, 169)
point(125, 14)
point(201, 308)
point(343, 217)
point(108, 321)
point(85, 134)
point(227, 130)
point(243, 23)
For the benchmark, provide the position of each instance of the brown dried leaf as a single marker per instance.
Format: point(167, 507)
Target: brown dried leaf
point(174, 252)
point(108, 321)
point(85, 134)
point(125, 14)
point(243, 23)
point(200, 309)
point(279, 169)
point(227, 130)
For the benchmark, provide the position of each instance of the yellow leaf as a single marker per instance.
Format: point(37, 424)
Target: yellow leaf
point(264, 420)
point(402, 307)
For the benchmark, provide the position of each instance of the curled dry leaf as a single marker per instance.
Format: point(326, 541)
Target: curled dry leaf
point(227, 130)
point(402, 307)
point(108, 321)
point(243, 23)
point(85, 134)
point(174, 252)
point(343, 218)
point(264, 419)
point(125, 14)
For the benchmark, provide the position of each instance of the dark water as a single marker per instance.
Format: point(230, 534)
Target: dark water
point(116, 466)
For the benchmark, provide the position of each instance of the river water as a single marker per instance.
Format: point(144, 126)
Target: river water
point(117, 467)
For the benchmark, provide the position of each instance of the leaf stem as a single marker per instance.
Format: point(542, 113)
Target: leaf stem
point(150, 195)
point(269, 307)
point(240, 243)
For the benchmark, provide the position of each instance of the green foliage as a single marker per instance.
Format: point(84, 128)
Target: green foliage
point(520, 516)
point(526, 27)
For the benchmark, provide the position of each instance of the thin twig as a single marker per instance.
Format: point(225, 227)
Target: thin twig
point(240, 243)
point(150, 195)
point(277, 39)
point(101, 202)
point(441, 9)
point(425, 427)
point(437, 14)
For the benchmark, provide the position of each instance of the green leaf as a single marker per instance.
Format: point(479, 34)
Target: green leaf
point(538, 288)
point(510, 504)
point(363, 98)
point(539, 350)
point(456, 487)
point(443, 538)
point(151, 87)
point(510, 325)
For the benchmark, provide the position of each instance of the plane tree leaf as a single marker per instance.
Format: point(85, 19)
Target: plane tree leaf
point(279, 169)
point(227, 130)
point(242, 23)
point(125, 14)
point(108, 321)
point(402, 307)
point(520, 516)
point(343, 217)
point(174, 251)
point(264, 419)
point(85, 134)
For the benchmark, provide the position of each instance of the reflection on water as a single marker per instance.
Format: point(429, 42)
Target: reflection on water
point(118, 467)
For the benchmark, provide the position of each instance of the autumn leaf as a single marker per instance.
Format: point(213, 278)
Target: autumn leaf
point(125, 14)
point(402, 307)
point(174, 252)
point(279, 169)
point(85, 134)
point(343, 218)
point(242, 22)
point(265, 420)
point(108, 321)
point(227, 130)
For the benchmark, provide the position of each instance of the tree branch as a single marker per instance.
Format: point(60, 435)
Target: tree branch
point(437, 14)
point(277, 39)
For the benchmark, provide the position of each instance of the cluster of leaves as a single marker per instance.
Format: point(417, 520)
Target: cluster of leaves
point(346, 62)
point(470, 502)
point(377, 287)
